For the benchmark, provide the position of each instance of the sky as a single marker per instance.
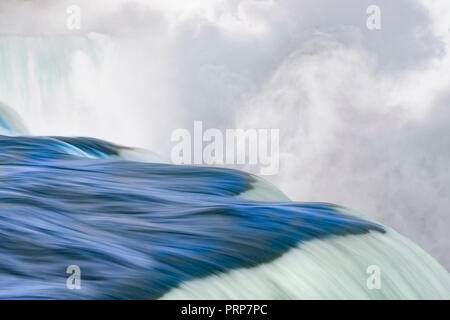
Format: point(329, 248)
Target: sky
point(363, 114)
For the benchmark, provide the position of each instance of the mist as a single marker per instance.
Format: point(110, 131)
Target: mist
point(363, 114)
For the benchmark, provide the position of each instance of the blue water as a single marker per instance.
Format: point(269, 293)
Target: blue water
point(135, 229)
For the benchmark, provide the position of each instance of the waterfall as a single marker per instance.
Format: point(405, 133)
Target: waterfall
point(45, 78)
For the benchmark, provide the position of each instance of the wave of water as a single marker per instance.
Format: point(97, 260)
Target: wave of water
point(146, 229)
